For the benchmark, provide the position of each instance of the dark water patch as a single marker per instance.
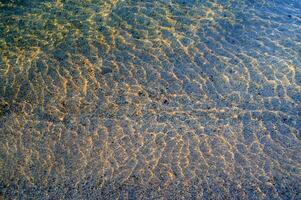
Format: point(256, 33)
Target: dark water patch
point(106, 70)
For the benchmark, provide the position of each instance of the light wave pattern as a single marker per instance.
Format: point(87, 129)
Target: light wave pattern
point(169, 99)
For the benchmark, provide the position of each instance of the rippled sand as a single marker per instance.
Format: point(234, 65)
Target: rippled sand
point(165, 99)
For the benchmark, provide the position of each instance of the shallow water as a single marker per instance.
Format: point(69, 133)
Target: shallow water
point(165, 99)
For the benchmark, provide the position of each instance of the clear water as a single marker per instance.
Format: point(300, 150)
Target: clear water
point(128, 99)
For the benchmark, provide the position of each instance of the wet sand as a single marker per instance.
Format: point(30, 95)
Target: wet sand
point(162, 99)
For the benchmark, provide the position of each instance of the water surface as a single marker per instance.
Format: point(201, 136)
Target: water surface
point(128, 99)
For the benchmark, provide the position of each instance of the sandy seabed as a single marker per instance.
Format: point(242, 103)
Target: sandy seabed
point(128, 99)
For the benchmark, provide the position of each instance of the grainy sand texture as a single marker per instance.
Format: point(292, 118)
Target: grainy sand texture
point(143, 99)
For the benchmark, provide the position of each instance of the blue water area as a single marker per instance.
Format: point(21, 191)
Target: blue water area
point(167, 99)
